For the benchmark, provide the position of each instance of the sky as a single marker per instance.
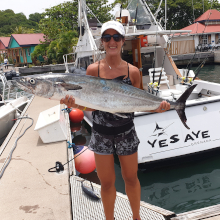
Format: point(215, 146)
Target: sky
point(30, 6)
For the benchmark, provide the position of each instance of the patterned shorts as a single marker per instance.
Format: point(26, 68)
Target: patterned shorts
point(122, 144)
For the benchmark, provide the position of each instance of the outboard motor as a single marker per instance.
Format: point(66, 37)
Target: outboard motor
point(8, 75)
point(11, 74)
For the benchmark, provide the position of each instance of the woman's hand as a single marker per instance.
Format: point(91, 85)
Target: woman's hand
point(164, 106)
point(69, 101)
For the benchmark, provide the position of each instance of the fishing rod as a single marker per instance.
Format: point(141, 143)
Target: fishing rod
point(120, 11)
point(150, 89)
point(201, 66)
point(136, 14)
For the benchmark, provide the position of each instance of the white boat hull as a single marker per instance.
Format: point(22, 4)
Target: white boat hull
point(7, 114)
point(163, 136)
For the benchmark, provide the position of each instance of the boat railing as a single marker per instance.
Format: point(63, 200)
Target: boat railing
point(65, 60)
point(6, 86)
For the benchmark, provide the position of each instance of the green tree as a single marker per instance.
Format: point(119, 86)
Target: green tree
point(40, 50)
point(22, 30)
point(36, 17)
point(64, 17)
point(101, 9)
point(59, 19)
point(9, 21)
point(63, 45)
point(54, 51)
point(124, 3)
point(181, 13)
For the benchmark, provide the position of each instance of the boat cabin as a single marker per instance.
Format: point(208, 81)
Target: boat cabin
point(146, 44)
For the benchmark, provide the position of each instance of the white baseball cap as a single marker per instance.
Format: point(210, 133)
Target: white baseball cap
point(113, 25)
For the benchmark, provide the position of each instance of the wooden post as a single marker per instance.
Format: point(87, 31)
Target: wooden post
point(173, 64)
point(136, 51)
point(19, 57)
point(24, 56)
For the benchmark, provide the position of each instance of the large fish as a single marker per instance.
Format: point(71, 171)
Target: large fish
point(112, 96)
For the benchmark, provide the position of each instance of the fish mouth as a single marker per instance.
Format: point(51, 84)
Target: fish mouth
point(20, 82)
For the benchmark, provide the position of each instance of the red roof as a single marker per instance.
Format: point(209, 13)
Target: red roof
point(28, 39)
point(5, 41)
point(211, 15)
point(198, 28)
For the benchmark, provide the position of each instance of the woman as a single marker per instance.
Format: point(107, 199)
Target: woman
point(111, 133)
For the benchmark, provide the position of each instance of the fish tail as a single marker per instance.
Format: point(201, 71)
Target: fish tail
point(181, 104)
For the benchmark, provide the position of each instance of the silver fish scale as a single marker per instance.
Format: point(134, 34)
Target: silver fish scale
point(108, 94)
point(84, 208)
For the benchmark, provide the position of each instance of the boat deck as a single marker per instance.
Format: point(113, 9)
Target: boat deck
point(29, 191)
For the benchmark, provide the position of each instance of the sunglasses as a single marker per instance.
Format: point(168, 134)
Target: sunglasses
point(116, 37)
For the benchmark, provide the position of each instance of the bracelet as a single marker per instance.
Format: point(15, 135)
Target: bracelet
point(84, 109)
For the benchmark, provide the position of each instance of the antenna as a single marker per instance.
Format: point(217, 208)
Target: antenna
point(203, 6)
point(165, 14)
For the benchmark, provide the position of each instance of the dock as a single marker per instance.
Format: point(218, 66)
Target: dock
point(29, 191)
point(195, 58)
point(44, 68)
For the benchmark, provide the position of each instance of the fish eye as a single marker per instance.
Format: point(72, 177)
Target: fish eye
point(32, 81)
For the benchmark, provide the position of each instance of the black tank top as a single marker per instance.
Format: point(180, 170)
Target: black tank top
point(110, 120)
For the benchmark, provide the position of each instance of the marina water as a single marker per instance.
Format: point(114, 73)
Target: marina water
point(178, 188)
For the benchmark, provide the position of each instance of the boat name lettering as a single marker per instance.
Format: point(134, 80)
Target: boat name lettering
point(200, 142)
point(204, 135)
point(174, 139)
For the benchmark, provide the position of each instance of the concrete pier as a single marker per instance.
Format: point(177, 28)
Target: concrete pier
point(195, 58)
point(217, 57)
point(27, 189)
point(44, 68)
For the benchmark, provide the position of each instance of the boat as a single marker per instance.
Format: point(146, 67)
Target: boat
point(162, 136)
point(9, 74)
point(10, 108)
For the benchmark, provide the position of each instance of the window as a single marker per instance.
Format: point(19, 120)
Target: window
point(218, 39)
point(143, 15)
point(20, 52)
point(28, 52)
point(204, 39)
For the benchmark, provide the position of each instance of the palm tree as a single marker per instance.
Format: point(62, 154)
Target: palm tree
point(22, 30)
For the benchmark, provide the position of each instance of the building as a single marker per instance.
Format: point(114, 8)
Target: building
point(204, 35)
point(4, 41)
point(22, 45)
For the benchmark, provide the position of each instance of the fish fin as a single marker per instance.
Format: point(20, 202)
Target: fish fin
point(69, 86)
point(119, 78)
point(180, 107)
point(121, 115)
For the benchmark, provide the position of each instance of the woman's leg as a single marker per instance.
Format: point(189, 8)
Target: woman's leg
point(129, 167)
point(106, 173)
